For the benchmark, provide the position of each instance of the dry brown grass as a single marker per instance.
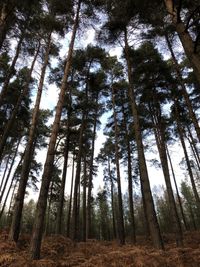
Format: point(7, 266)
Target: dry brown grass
point(58, 251)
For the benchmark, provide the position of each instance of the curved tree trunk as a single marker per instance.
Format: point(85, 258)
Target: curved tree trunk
point(42, 201)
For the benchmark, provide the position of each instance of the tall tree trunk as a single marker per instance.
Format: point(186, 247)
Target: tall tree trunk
point(75, 211)
point(70, 199)
point(183, 89)
point(177, 191)
point(62, 186)
point(11, 120)
point(120, 220)
point(89, 197)
point(185, 38)
point(161, 145)
point(130, 179)
point(84, 198)
point(144, 179)
point(29, 151)
point(42, 201)
point(112, 201)
point(181, 136)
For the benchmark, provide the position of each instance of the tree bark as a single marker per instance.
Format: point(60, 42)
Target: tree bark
point(29, 151)
point(144, 179)
point(62, 186)
point(42, 201)
point(177, 191)
point(130, 181)
point(89, 198)
point(161, 145)
point(181, 136)
point(10, 169)
point(120, 219)
point(75, 213)
point(183, 89)
point(185, 38)
point(70, 200)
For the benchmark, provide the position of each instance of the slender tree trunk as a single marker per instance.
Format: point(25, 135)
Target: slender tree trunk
point(42, 201)
point(70, 200)
point(181, 135)
point(9, 213)
point(112, 201)
point(160, 141)
point(5, 170)
point(29, 151)
point(120, 204)
point(11, 120)
point(130, 181)
point(10, 169)
point(47, 230)
point(193, 144)
point(193, 152)
point(75, 212)
point(62, 188)
point(183, 89)
point(89, 198)
point(144, 179)
point(185, 38)
point(177, 191)
point(84, 198)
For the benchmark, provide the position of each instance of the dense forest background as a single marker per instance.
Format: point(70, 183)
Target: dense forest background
point(149, 95)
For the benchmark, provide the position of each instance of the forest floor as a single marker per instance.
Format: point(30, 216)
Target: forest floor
point(60, 251)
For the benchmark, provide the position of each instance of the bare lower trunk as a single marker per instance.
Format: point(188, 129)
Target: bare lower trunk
point(10, 169)
point(181, 135)
point(29, 151)
point(75, 214)
point(42, 201)
point(177, 192)
point(89, 198)
point(70, 201)
point(144, 179)
point(120, 218)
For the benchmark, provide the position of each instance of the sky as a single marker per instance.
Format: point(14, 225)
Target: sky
point(49, 100)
